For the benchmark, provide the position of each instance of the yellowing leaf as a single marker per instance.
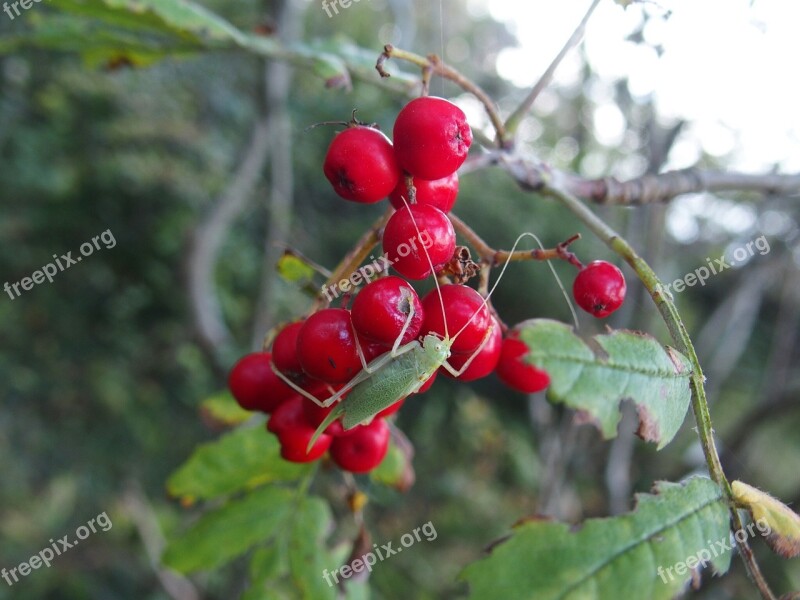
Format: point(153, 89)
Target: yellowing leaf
point(294, 269)
point(783, 533)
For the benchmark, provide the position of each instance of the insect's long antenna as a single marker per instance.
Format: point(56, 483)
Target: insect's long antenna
point(430, 264)
point(503, 270)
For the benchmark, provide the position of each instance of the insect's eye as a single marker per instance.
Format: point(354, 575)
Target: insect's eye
point(438, 347)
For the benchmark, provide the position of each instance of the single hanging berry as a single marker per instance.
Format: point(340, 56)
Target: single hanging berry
point(599, 288)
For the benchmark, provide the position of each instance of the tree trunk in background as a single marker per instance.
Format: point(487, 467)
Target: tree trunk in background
point(277, 80)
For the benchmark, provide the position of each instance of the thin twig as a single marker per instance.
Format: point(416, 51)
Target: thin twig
point(684, 343)
point(519, 113)
point(494, 257)
point(355, 256)
point(433, 64)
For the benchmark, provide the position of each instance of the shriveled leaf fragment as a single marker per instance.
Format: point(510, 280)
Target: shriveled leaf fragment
point(294, 269)
point(622, 365)
point(779, 523)
point(222, 409)
point(649, 553)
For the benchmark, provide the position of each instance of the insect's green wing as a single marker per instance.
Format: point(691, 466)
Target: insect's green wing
point(398, 379)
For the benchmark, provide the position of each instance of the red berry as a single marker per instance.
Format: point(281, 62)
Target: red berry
point(294, 443)
point(326, 346)
point(381, 309)
point(254, 384)
point(440, 193)
point(288, 415)
point(484, 362)
point(391, 409)
point(314, 414)
point(371, 350)
point(515, 372)
point(361, 165)
point(599, 288)
point(406, 248)
point(464, 308)
point(284, 350)
point(362, 448)
point(431, 137)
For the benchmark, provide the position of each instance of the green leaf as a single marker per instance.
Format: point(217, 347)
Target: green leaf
point(618, 366)
point(223, 534)
point(183, 16)
point(140, 32)
point(222, 408)
point(242, 459)
point(779, 523)
point(308, 557)
point(643, 554)
point(267, 563)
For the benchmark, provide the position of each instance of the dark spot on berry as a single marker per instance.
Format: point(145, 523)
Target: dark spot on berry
point(344, 181)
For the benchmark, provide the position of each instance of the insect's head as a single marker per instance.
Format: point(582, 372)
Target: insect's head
point(437, 348)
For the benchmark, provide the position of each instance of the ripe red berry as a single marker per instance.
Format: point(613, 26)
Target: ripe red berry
point(515, 372)
point(326, 346)
point(599, 288)
point(464, 308)
point(406, 249)
point(284, 350)
point(391, 409)
point(254, 384)
point(288, 415)
point(431, 137)
point(381, 309)
point(362, 448)
point(484, 362)
point(440, 193)
point(294, 442)
point(361, 165)
point(314, 414)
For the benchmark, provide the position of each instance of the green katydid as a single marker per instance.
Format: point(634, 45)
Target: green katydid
point(402, 371)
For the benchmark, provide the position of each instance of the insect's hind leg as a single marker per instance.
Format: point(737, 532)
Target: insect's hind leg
point(411, 312)
point(397, 349)
point(298, 389)
point(457, 372)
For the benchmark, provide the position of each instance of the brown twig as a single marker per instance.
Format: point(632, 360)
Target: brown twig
point(663, 187)
point(494, 257)
point(434, 65)
point(354, 257)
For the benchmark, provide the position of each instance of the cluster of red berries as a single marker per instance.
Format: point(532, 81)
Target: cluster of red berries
point(294, 418)
point(328, 348)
